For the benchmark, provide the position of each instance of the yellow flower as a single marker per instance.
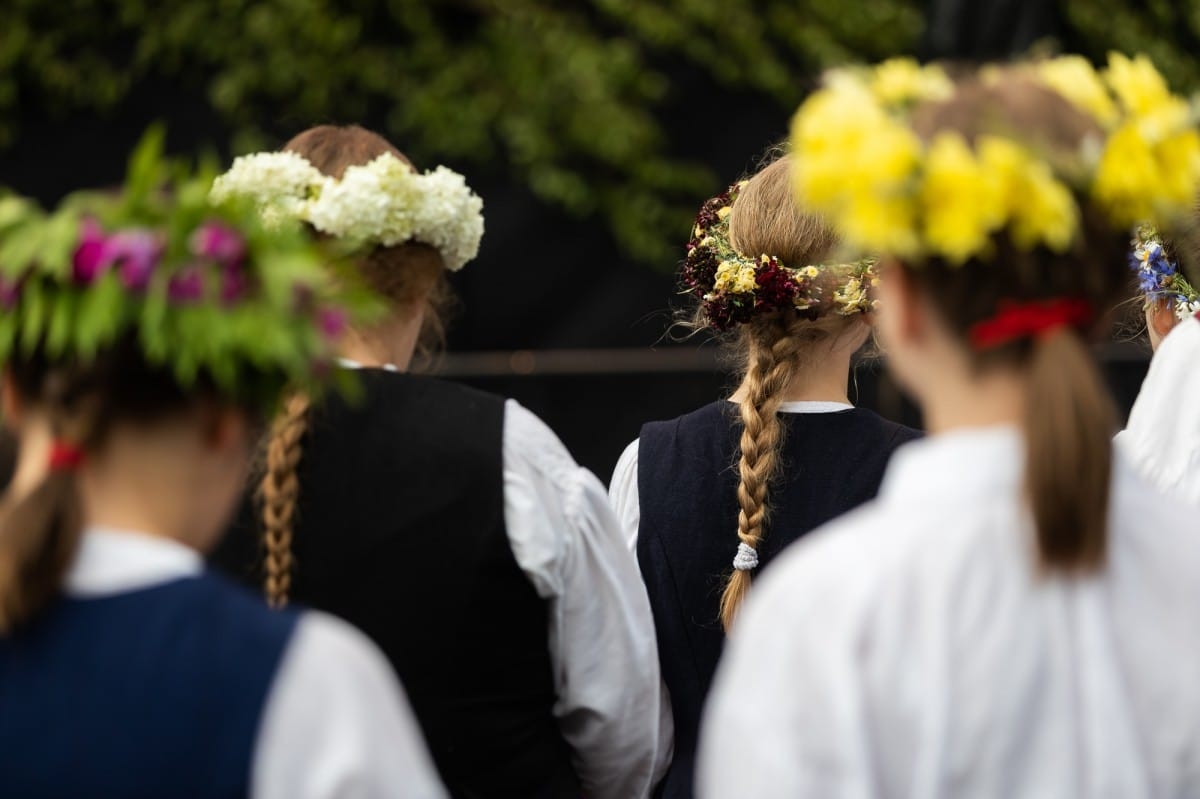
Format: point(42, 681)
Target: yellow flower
point(1127, 177)
point(961, 203)
point(1075, 79)
point(745, 282)
point(726, 275)
point(1178, 158)
point(899, 81)
point(810, 272)
point(1137, 84)
point(1039, 208)
point(855, 164)
point(736, 277)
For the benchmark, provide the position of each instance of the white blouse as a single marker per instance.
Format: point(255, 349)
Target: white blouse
point(623, 489)
point(911, 648)
point(1163, 434)
point(336, 723)
point(611, 708)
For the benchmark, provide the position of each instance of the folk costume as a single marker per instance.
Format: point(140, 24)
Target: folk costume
point(454, 528)
point(675, 488)
point(1163, 433)
point(147, 675)
point(936, 644)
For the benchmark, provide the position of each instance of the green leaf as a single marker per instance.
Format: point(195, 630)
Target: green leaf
point(33, 317)
point(58, 336)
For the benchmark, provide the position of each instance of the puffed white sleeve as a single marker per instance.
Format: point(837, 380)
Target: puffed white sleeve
point(611, 707)
point(785, 715)
point(337, 724)
point(623, 494)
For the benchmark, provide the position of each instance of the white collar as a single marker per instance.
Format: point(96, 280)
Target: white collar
point(813, 406)
point(116, 561)
point(346, 363)
point(957, 463)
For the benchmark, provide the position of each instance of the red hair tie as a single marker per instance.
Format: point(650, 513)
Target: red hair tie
point(65, 457)
point(1017, 320)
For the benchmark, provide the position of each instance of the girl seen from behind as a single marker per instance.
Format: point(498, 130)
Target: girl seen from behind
point(710, 498)
point(1163, 433)
point(450, 525)
point(135, 334)
point(1013, 616)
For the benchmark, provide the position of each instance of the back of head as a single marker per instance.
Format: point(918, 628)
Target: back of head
point(1007, 198)
point(148, 305)
point(760, 266)
point(410, 274)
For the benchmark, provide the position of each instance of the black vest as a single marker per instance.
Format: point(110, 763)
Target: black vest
point(687, 485)
point(401, 532)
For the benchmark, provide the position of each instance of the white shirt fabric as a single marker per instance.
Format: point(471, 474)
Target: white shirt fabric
point(611, 707)
point(1163, 434)
point(623, 488)
point(910, 649)
point(336, 724)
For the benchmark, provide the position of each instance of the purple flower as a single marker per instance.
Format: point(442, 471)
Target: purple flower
point(135, 254)
point(10, 292)
point(219, 242)
point(186, 286)
point(777, 288)
point(233, 284)
point(332, 322)
point(90, 258)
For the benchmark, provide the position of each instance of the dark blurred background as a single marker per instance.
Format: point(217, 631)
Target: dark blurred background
point(593, 129)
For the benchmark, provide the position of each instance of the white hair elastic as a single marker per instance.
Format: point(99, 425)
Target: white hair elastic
point(746, 558)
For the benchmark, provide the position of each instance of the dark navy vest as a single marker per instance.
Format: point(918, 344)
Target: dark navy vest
point(687, 485)
point(152, 693)
point(401, 533)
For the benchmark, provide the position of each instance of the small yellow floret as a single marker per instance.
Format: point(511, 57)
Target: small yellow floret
point(1076, 80)
point(899, 81)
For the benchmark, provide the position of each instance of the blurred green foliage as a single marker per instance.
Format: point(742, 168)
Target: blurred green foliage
point(1166, 30)
point(568, 96)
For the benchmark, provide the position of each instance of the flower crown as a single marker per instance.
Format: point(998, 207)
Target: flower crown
point(1158, 276)
point(383, 202)
point(860, 163)
point(206, 290)
point(734, 288)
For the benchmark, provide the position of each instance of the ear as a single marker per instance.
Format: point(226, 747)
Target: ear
point(1160, 317)
point(902, 302)
point(225, 428)
point(10, 401)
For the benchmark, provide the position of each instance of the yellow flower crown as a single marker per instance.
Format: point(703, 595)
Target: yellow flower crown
point(859, 162)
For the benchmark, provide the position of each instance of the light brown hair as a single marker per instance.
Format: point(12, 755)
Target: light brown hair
point(774, 348)
point(403, 274)
point(1069, 418)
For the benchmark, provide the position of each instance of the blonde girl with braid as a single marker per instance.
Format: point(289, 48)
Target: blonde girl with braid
point(1016, 613)
point(708, 499)
point(450, 525)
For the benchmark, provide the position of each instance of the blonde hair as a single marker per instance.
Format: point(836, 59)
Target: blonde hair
point(405, 274)
point(764, 219)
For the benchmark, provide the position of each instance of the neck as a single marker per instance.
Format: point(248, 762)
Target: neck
point(986, 400)
point(391, 343)
point(822, 381)
point(156, 486)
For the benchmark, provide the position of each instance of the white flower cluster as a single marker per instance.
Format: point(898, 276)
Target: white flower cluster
point(383, 202)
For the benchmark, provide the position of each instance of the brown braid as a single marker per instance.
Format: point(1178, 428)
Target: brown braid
point(278, 493)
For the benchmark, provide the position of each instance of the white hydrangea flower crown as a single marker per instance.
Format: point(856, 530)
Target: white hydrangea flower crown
point(383, 202)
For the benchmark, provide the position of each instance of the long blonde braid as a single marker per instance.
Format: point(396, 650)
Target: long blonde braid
point(279, 491)
point(775, 349)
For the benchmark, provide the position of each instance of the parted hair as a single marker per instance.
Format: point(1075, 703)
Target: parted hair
point(773, 348)
point(1069, 417)
point(405, 274)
